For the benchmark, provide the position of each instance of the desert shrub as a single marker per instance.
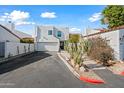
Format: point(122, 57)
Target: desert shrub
point(100, 50)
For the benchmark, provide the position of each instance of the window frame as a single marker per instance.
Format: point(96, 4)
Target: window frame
point(59, 34)
point(50, 32)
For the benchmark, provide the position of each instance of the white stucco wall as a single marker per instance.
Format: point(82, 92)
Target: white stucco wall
point(121, 43)
point(45, 42)
point(64, 33)
point(6, 36)
point(112, 38)
point(12, 50)
point(42, 34)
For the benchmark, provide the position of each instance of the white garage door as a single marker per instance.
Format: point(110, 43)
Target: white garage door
point(48, 46)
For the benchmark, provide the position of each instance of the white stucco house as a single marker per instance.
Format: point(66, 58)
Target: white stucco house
point(50, 38)
point(6, 35)
point(11, 27)
point(10, 41)
point(114, 38)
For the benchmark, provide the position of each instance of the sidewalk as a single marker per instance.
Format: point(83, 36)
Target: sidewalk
point(112, 80)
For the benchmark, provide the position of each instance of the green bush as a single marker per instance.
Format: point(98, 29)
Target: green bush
point(27, 40)
point(74, 38)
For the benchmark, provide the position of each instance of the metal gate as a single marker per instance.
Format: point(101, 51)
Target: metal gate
point(2, 49)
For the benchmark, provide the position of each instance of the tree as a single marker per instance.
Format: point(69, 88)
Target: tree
point(27, 40)
point(74, 38)
point(113, 16)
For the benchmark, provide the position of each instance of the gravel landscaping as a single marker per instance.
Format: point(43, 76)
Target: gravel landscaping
point(117, 68)
point(86, 75)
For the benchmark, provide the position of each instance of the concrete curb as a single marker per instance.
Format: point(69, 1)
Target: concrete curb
point(82, 78)
point(70, 68)
point(122, 73)
point(93, 81)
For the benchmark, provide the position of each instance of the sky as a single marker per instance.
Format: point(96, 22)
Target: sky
point(76, 17)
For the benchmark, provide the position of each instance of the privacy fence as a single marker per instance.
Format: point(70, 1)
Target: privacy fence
point(8, 49)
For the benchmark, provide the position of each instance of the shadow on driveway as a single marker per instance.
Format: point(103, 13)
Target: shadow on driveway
point(22, 61)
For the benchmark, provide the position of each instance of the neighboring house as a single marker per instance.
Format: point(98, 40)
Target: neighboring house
point(10, 41)
point(11, 27)
point(22, 34)
point(114, 38)
point(6, 35)
point(51, 38)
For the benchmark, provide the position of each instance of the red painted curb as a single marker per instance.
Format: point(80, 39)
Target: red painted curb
point(93, 81)
point(122, 73)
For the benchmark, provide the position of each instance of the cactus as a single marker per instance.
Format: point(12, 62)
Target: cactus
point(78, 50)
point(66, 46)
point(86, 45)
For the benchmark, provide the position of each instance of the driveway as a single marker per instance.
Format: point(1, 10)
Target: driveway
point(39, 70)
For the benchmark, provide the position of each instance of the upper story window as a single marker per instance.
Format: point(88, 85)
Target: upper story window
point(59, 34)
point(49, 32)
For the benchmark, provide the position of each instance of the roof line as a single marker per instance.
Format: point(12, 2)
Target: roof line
point(9, 31)
point(105, 31)
point(99, 33)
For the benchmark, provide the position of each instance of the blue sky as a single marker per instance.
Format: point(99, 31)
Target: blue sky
point(77, 17)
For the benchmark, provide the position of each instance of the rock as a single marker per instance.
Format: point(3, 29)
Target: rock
point(72, 62)
point(82, 69)
point(77, 67)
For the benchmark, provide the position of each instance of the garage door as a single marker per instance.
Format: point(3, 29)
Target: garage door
point(48, 46)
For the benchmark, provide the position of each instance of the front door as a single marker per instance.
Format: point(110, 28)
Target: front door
point(62, 45)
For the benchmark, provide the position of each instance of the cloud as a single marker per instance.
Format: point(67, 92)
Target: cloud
point(2, 19)
point(24, 23)
point(17, 17)
point(75, 30)
point(95, 17)
point(48, 15)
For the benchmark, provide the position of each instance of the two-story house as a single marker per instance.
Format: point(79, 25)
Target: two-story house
point(51, 38)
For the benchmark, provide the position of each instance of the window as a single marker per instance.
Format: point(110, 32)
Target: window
point(49, 32)
point(59, 34)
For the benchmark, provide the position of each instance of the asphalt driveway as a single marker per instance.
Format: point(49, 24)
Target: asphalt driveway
point(39, 70)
